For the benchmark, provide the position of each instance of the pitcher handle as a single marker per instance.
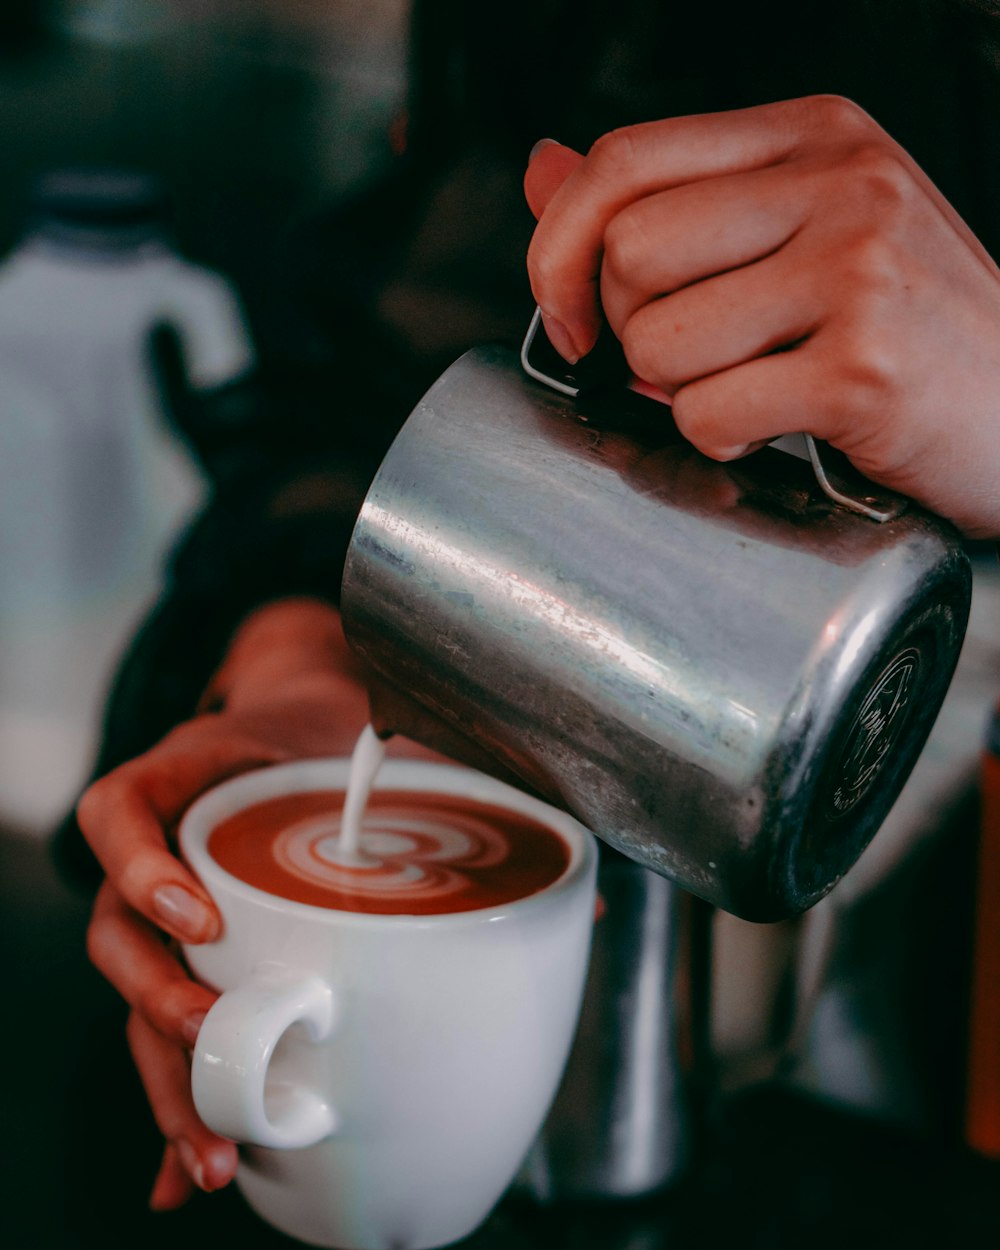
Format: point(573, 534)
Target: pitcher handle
point(876, 504)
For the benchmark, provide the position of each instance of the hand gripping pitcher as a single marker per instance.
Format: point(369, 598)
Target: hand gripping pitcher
point(726, 671)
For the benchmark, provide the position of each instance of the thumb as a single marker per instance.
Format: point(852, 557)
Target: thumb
point(549, 165)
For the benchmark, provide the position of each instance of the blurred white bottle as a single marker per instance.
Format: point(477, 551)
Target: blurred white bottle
point(93, 485)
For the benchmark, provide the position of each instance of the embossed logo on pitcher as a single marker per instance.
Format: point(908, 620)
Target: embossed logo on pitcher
point(874, 733)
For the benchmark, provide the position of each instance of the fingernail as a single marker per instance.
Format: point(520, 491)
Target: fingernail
point(192, 1026)
point(731, 453)
point(542, 143)
point(191, 1162)
point(183, 914)
point(218, 1165)
point(560, 339)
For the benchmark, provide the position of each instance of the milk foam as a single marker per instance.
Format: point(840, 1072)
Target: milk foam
point(428, 854)
point(387, 850)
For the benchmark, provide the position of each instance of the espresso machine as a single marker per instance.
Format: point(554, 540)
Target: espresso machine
point(726, 671)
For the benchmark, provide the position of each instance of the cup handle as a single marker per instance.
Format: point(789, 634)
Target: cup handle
point(229, 1068)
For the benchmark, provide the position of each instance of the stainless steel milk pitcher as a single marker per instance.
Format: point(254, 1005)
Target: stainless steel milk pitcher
point(719, 670)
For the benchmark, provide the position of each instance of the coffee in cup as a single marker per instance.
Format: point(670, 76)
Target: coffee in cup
point(394, 1021)
point(423, 854)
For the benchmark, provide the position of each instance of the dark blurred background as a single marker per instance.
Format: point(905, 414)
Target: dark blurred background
point(253, 118)
point(253, 113)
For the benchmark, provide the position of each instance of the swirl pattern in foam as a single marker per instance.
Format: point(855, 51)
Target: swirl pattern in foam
point(420, 853)
point(425, 857)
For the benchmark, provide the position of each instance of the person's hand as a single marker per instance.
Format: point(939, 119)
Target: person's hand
point(289, 688)
point(780, 269)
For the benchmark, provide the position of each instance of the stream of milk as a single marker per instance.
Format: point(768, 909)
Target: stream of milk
point(369, 752)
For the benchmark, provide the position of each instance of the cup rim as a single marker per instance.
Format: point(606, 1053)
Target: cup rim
point(303, 776)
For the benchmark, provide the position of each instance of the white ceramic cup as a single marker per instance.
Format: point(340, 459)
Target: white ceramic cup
point(385, 1073)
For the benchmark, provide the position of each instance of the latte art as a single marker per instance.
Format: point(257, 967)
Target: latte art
point(404, 855)
point(418, 853)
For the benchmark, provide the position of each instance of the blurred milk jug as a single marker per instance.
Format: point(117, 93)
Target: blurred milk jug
point(94, 485)
point(725, 671)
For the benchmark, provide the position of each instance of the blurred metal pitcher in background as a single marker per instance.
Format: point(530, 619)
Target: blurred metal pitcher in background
point(625, 1120)
point(722, 672)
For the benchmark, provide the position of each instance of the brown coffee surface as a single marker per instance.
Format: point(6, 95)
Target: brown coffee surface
point(424, 853)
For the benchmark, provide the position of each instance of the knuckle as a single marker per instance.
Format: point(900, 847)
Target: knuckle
point(626, 242)
point(836, 115)
point(870, 376)
point(869, 373)
point(870, 271)
point(614, 154)
point(136, 879)
point(880, 174)
point(164, 1006)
